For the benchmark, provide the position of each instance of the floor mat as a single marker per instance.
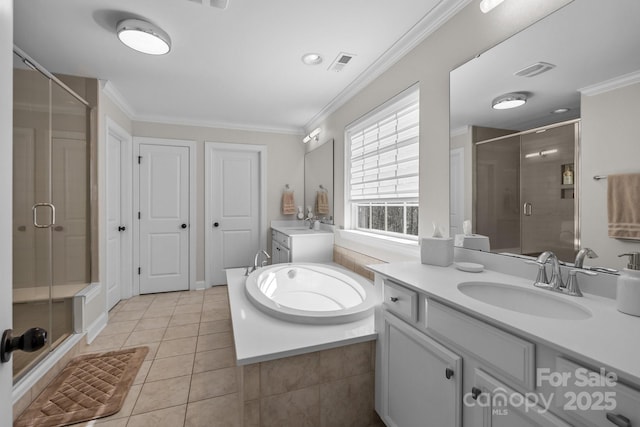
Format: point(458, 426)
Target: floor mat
point(91, 386)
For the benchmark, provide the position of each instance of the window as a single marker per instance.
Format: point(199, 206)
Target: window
point(382, 168)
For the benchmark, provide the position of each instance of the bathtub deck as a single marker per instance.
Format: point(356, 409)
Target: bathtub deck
point(259, 337)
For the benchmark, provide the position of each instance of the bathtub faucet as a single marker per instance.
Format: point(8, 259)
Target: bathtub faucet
point(257, 258)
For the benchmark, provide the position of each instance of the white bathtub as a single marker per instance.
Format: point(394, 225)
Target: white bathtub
point(311, 293)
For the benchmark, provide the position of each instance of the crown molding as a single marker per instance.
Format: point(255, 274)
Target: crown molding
point(433, 20)
point(117, 98)
point(611, 84)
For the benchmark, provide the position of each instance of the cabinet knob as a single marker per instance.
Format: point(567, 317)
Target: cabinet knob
point(475, 392)
point(394, 299)
point(619, 420)
point(448, 373)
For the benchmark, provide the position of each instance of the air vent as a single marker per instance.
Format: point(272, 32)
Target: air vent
point(535, 69)
point(341, 61)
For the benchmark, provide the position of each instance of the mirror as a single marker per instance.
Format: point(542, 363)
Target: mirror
point(318, 181)
point(560, 65)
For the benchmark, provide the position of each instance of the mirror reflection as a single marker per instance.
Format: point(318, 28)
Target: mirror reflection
point(318, 182)
point(523, 176)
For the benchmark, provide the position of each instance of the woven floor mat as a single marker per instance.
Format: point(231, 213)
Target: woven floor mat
point(91, 386)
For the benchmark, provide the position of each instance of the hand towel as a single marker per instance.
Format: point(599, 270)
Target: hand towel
point(623, 206)
point(322, 202)
point(288, 203)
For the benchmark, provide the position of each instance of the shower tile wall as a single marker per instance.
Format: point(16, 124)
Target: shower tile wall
point(354, 261)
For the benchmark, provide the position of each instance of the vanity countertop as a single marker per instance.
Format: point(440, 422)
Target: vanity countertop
point(608, 338)
point(298, 230)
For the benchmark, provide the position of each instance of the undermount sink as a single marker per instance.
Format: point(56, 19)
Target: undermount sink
point(536, 302)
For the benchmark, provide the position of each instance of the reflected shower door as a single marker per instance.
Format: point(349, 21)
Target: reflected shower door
point(548, 222)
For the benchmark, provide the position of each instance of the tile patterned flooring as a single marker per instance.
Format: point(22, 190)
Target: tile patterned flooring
point(189, 376)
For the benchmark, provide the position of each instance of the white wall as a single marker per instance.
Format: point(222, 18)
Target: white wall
point(609, 145)
point(285, 165)
point(460, 39)
point(6, 213)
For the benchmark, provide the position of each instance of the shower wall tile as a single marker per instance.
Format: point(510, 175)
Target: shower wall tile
point(354, 261)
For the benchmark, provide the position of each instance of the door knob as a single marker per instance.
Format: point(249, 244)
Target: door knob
point(32, 340)
point(122, 228)
point(448, 373)
point(216, 224)
point(183, 226)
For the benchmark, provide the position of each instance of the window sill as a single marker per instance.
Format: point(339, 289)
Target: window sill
point(385, 248)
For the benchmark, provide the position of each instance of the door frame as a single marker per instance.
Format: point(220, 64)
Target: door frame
point(262, 191)
point(126, 211)
point(191, 145)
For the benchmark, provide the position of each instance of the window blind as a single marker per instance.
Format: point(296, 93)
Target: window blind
point(384, 153)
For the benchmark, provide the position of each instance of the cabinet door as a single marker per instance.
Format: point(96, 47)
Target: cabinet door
point(421, 379)
point(497, 405)
point(276, 252)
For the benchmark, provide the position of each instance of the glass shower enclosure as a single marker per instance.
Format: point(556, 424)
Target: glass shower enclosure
point(51, 227)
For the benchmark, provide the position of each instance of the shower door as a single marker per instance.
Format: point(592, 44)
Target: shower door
point(50, 207)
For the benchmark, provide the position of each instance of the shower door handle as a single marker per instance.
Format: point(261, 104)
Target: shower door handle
point(527, 209)
point(34, 210)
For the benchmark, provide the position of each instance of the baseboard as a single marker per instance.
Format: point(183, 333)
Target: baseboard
point(30, 379)
point(200, 285)
point(97, 326)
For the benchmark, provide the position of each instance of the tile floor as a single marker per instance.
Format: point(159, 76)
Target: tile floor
point(189, 375)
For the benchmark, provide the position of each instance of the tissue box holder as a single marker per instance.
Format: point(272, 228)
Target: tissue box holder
point(436, 251)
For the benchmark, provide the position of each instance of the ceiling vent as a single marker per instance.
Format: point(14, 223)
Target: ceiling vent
point(221, 4)
point(341, 61)
point(535, 69)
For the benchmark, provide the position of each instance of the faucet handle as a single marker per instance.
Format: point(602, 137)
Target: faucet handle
point(572, 284)
point(541, 279)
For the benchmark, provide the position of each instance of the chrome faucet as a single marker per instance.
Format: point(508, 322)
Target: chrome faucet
point(582, 254)
point(555, 283)
point(257, 258)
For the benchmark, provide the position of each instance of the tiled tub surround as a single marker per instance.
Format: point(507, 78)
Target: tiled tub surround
point(354, 261)
point(301, 375)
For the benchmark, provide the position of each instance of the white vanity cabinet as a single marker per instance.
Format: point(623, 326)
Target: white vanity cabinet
point(441, 367)
point(301, 245)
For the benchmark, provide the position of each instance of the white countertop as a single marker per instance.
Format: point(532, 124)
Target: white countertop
point(259, 337)
point(298, 230)
point(608, 338)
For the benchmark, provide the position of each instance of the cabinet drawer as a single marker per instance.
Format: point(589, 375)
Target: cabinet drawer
point(401, 301)
point(281, 238)
point(590, 397)
point(504, 354)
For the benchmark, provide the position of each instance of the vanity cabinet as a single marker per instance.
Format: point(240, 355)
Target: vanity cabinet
point(300, 245)
point(423, 381)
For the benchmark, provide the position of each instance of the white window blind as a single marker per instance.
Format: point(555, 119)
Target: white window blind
point(383, 162)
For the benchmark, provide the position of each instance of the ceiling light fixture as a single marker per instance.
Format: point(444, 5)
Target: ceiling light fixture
point(315, 135)
point(143, 36)
point(312, 58)
point(487, 5)
point(509, 100)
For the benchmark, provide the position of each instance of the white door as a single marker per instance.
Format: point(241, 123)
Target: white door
point(69, 238)
point(456, 185)
point(6, 106)
point(164, 218)
point(234, 205)
point(118, 214)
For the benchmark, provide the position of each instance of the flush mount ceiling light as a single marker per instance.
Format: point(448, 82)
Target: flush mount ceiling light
point(509, 100)
point(312, 58)
point(315, 135)
point(143, 36)
point(487, 5)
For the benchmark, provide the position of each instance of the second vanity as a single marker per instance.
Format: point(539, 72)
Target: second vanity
point(297, 242)
point(488, 349)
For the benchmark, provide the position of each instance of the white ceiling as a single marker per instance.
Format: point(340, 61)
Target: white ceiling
point(589, 41)
point(237, 68)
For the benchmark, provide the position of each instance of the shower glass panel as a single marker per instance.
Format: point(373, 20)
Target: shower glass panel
point(498, 193)
point(51, 253)
point(548, 220)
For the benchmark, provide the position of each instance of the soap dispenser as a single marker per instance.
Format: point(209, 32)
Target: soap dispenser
point(628, 296)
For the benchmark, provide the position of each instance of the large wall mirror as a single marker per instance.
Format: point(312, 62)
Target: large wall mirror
point(318, 181)
point(524, 176)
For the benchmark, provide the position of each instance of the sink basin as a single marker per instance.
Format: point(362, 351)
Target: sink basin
point(536, 302)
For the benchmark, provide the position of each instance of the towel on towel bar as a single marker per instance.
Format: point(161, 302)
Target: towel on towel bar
point(288, 203)
point(623, 206)
point(322, 202)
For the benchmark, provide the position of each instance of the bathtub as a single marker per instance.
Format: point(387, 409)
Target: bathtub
point(311, 293)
